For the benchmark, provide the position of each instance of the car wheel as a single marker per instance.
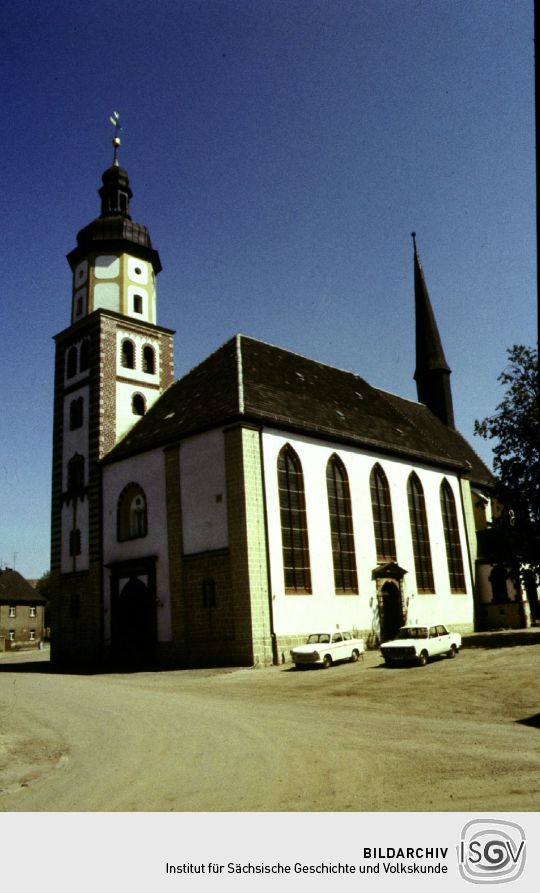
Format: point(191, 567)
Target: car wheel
point(389, 662)
point(354, 656)
point(422, 658)
point(327, 661)
point(453, 651)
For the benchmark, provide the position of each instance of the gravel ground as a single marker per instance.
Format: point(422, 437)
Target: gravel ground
point(457, 735)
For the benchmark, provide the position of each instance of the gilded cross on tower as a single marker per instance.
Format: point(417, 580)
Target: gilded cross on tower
point(114, 119)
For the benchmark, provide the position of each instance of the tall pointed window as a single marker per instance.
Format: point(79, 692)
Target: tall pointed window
point(454, 555)
point(128, 354)
point(131, 513)
point(341, 526)
point(420, 535)
point(294, 533)
point(75, 477)
point(383, 523)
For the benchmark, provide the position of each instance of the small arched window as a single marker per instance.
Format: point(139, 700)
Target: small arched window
point(71, 362)
point(341, 527)
point(84, 361)
point(131, 513)
point(137, 303)
point(454, 555)
point(294, 532)
point(75, 477)
point(420, 535)
point(76, 408)
point(149, 360)
point(383, 523)
point(128, 354)
point(138, 405)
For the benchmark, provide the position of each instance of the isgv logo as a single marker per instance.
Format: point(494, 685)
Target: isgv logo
point(491, 851)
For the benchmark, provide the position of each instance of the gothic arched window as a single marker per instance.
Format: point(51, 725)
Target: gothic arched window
point(75, 477)
point(341, 527)
point(454, 554)
point(294, 533)
point(76, 413)
point(128, 354)
point(420, 535)
point(84, 360)
point(71, 362)
point(383, 524)
point(149, 359)
point(138, 405)
point(131, 513)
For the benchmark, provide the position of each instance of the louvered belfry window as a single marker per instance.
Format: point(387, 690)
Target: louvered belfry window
point(420, 535)
point(454, 555)
point(294, 533)
point(341, 526)
point(383, 523)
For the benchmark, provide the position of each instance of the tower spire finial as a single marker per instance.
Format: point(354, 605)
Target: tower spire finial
point(116, 139)
point(414, 242)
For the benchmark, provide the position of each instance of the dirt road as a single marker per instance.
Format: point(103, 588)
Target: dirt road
point(458, 735)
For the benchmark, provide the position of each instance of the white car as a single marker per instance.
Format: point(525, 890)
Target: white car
point(326, 648)
point(418, 643)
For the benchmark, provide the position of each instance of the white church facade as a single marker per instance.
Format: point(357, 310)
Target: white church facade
point(221, 518)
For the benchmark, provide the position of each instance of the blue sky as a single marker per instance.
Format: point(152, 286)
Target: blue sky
point(280, 152)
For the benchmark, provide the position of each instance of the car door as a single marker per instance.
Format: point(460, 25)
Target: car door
point(444, 639)
point(435, 646)
point(337, 646)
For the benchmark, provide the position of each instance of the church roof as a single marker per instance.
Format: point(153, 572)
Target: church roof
point(254, 382)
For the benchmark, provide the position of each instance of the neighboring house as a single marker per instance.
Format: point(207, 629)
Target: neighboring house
point(264, 495)
point(22, 612)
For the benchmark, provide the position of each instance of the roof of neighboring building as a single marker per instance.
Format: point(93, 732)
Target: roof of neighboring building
point(14, 589)
point(251, 381)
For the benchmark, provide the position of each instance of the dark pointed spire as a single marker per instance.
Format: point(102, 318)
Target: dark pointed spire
point(432, 374)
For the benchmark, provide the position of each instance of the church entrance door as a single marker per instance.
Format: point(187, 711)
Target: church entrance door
point(391, 611)
point(133, 622)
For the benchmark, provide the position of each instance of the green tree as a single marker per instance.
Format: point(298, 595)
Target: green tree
point(515, 427)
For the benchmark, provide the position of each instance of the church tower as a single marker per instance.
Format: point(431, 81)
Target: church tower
point(432, 373)
point(112, 363)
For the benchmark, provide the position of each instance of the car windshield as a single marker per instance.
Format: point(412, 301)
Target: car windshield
point(314, 638)
point(413, 632)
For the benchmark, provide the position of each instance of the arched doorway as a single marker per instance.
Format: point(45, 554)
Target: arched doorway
point(391, 615)
point(133, 621)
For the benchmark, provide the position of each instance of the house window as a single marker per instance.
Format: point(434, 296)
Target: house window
point(32, 612)
point(84, 359)
point(341, 527)
point(71, 362)
point(420, 535)
point(209, 593)
point(11, 635)
point(75, 476)
point(383, 524)
point(138, 405)
point(128, 354)
point(294, 532)
point(75, 542)
point(454, 554)
point(76, 413)
point(131, 513)
point(137, 303)
point(149, 360)
point(12, 612)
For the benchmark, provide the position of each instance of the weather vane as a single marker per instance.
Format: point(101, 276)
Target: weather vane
point(116, 140)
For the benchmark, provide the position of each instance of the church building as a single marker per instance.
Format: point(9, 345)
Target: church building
point(221, 518)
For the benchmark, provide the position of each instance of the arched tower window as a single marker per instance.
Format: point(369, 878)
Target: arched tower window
point(76, 413)
point(454, 555)
point(131, 513)
point(84, 360)
point(75, 477)
point(138, 405)
point(341, 527)
point(420, 535)
point(383, 523)
point(149, 359)
point(294, 533)
point(128, 354)
point(71, 362)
